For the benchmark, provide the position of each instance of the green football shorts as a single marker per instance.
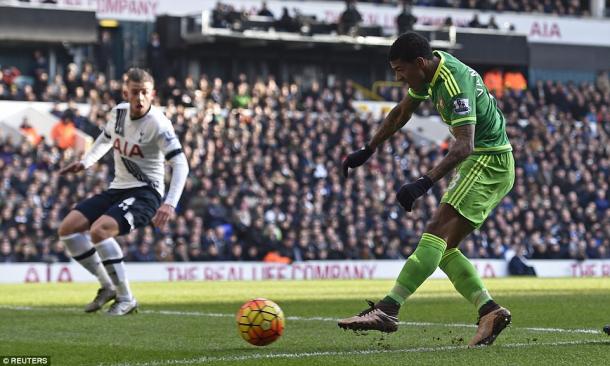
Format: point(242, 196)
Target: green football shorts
point(480, 183)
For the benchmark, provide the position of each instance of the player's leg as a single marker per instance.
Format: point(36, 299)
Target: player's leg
point(72, 232)
point(607, 329)
point(446, 226)
point(134, 209)
point(465, 278)
point(480, 184)
point(103, 232)
point(383, 316)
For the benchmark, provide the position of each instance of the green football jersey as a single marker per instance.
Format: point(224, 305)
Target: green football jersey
point(461, 97)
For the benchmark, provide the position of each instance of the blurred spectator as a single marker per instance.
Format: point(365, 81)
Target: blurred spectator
point(163, 252)
point(58, 252)
point(218, 16)
point(448, 22)
point(29, 132)
point(475, 23)
point(155, 56)
point(41, 65)
point(105, 54)
point(350, 19)
point(265, 12)
point(514, 80)
point(143, 253)
point(405, 20)
point(492, 23)
point(286, 23)
point(494, 81)
point(603, 82)
point(64, 131)
point(6, 252)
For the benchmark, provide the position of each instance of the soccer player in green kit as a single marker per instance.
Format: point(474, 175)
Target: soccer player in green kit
point(485, 173)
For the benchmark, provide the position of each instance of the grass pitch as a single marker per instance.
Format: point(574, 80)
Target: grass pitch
point(555, 322)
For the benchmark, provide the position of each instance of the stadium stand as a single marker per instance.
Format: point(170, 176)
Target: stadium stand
point(556, 7)
point(265, 175)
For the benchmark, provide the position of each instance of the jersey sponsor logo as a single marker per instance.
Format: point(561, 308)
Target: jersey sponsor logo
point(461, 106)
point(135, 149)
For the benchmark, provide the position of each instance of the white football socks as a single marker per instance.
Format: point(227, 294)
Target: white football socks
point(112, 258)
point(82, 250)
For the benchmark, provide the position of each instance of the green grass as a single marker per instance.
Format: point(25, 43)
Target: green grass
point(46, 319)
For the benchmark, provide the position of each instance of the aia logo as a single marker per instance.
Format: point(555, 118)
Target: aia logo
point(545, 30)
point(126, 150)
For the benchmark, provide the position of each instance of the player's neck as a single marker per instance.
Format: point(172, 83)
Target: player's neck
point(134, 117)
point(431, 70)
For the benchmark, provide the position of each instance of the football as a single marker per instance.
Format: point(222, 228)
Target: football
point(260, 322)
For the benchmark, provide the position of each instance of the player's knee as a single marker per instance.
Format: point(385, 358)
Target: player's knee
point(435, 227)
point(99, 232)
point(65, 228)
point(98, 235)
point(103, 229)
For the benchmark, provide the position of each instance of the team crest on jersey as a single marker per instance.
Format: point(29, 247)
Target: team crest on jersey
point(129, 151)
point(461, 106)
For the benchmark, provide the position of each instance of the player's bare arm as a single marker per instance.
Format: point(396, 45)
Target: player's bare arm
point(74, 167)
point(394, 121)
point(460, 150)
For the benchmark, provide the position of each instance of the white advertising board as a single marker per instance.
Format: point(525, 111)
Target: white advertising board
point(251, 271)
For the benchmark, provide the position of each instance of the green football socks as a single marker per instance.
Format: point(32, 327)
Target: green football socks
point(420, 265)
point(464, 277)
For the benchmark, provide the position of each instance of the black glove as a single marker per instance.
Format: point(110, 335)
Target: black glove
point(408, 193)
point(357, 158)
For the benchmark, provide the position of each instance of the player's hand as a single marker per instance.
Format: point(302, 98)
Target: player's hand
point(164, 213)
point(75, 167)
point(357, 158)
point(408, 193)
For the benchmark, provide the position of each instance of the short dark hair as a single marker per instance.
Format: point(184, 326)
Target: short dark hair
point(138, 75)
point(410, 46)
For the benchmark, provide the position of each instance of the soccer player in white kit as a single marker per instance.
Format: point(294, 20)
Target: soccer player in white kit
point(142, 139)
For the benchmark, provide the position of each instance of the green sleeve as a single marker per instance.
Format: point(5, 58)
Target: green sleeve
point(461, 109)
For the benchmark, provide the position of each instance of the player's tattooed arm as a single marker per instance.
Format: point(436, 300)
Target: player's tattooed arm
point(460, 150)
point(398, 117)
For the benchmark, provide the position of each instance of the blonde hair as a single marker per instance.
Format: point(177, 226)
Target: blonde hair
point(138, 75)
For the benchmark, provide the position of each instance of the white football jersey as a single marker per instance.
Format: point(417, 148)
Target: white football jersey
point(140, 148)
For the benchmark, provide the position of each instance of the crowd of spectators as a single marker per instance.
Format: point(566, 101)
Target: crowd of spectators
point(265, 175)
point(350, 20)
point(556, 7)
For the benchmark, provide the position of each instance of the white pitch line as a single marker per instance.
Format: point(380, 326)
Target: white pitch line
point(302, 318)
point(256, 356)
